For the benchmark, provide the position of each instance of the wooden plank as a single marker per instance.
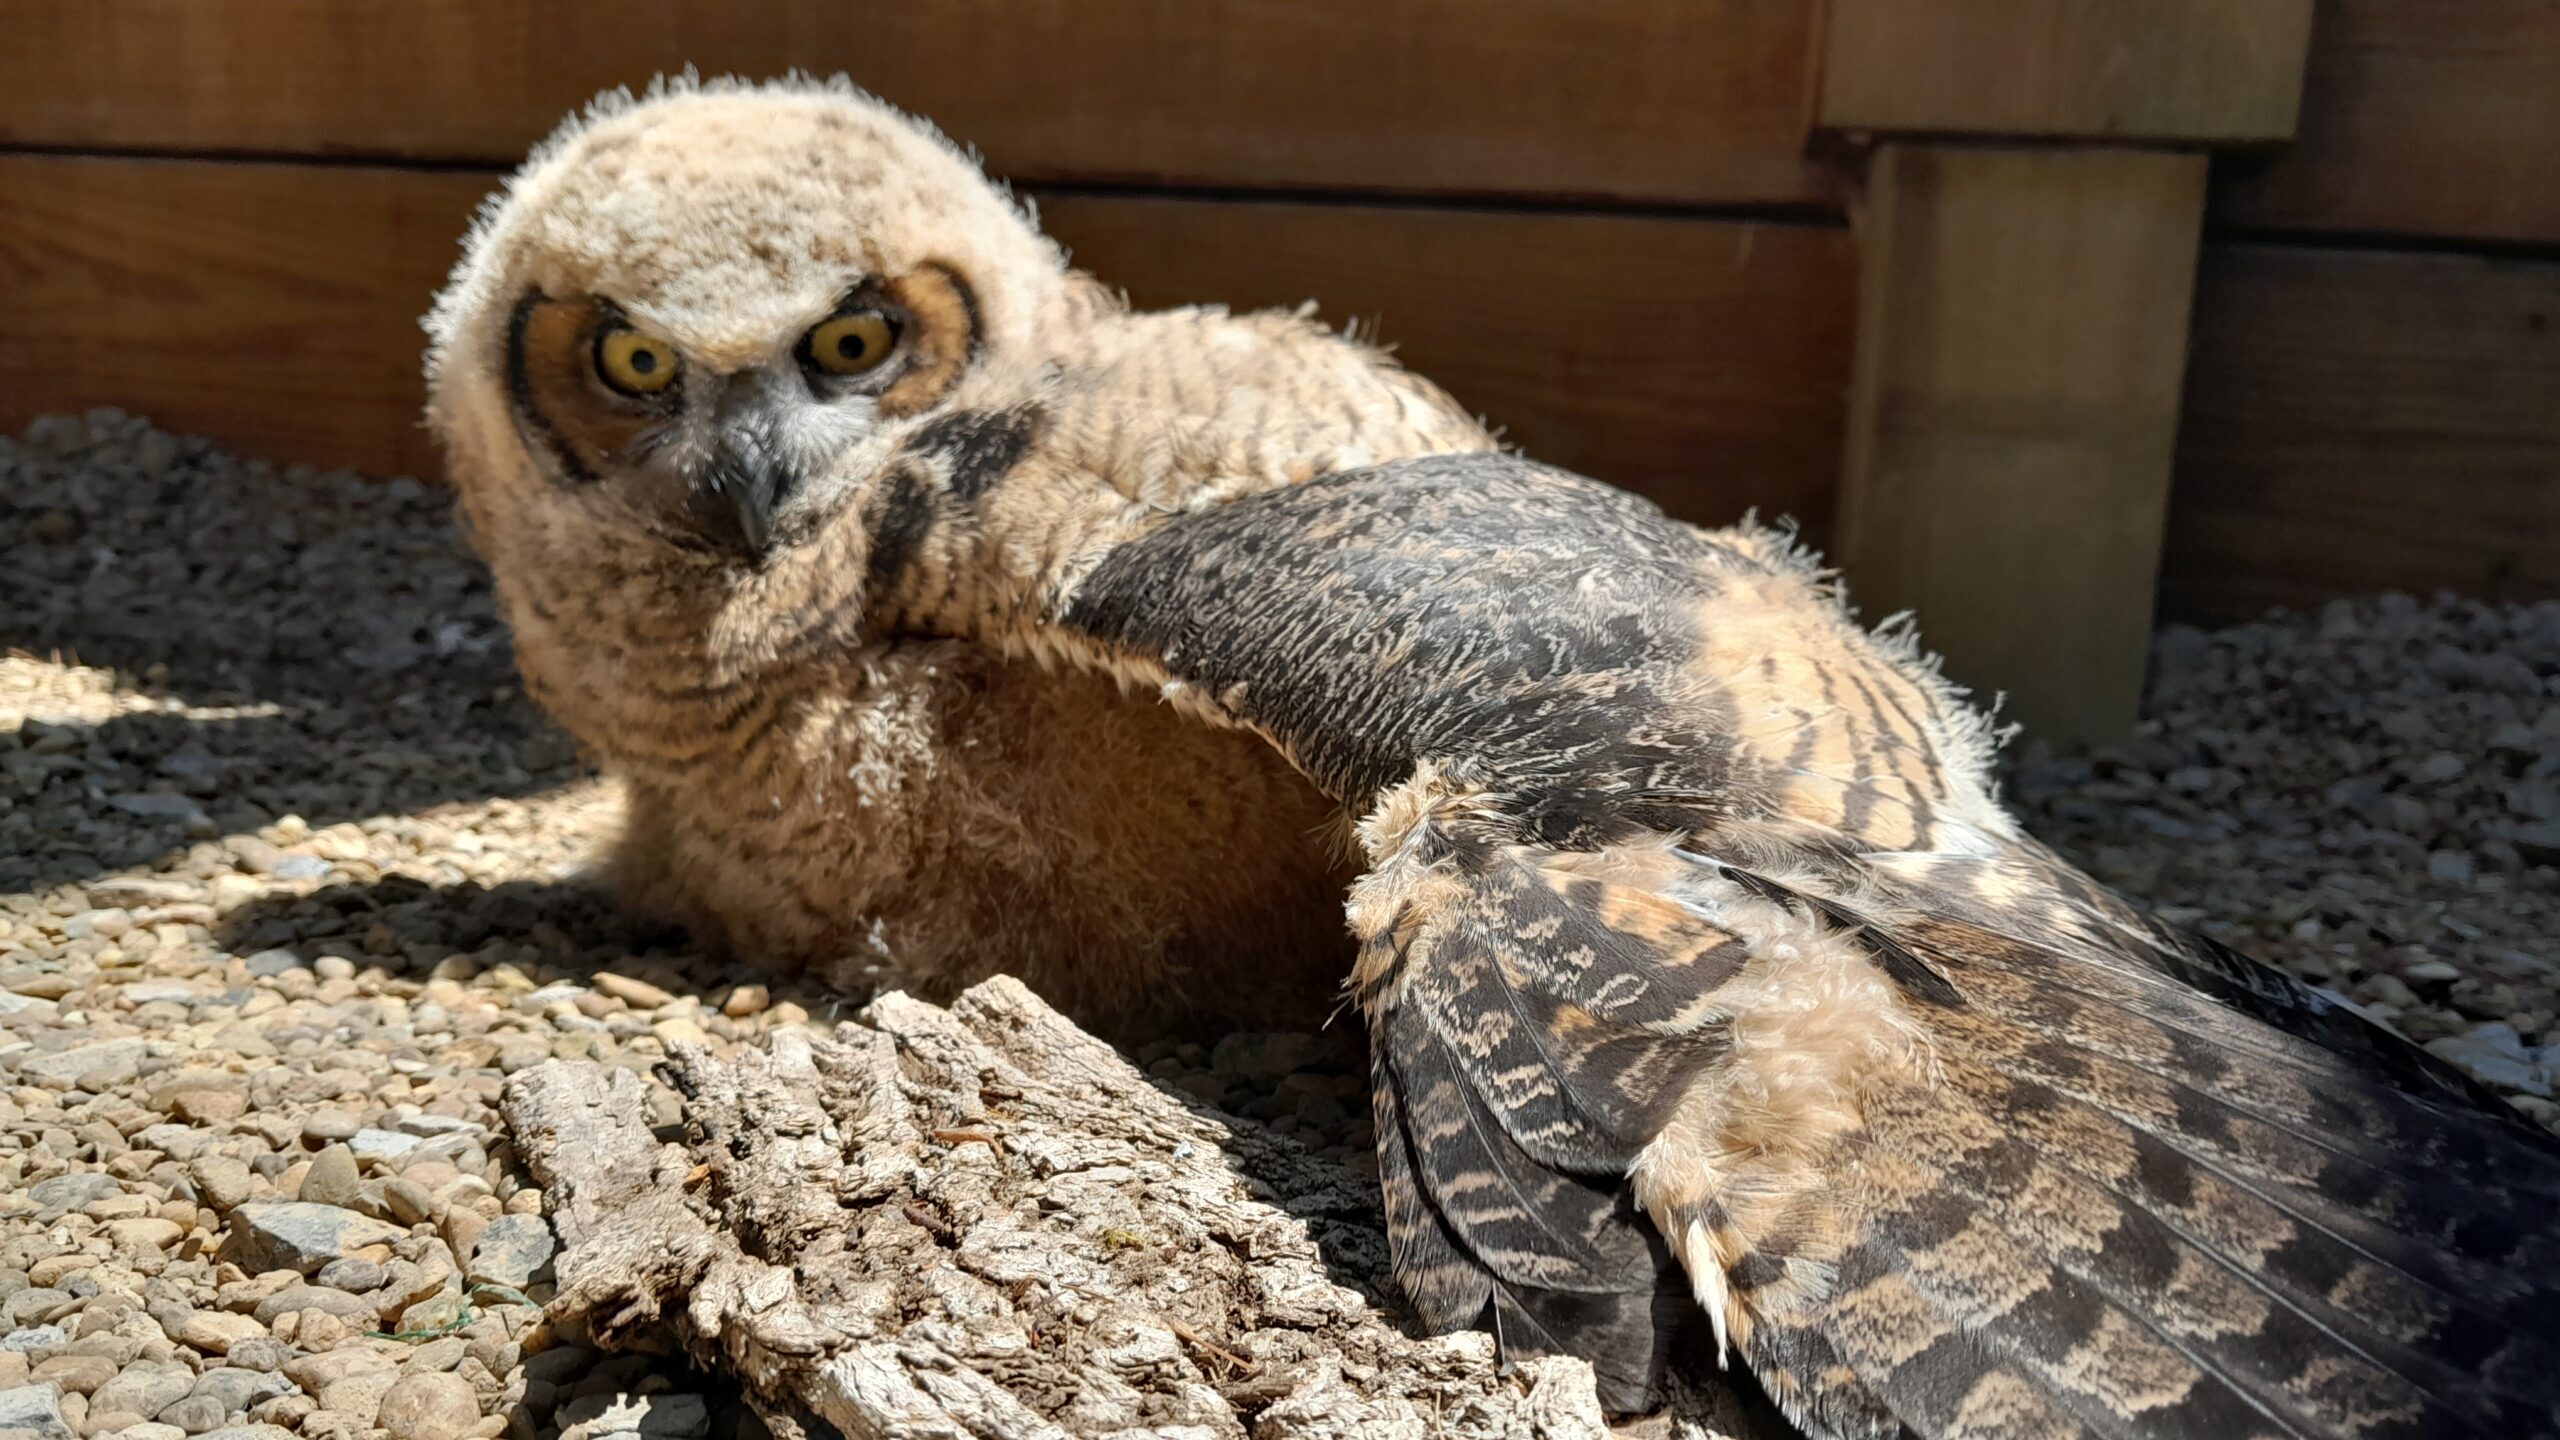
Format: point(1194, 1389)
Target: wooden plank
point(2359, 421)
point(1662, 100)
point(2213, 70)
point(2420, 117)
point(1703, 363)
point(274, 307)
point(2022, 333)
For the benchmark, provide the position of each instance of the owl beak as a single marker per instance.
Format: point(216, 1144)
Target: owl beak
point(753, 479)
point(745, 474)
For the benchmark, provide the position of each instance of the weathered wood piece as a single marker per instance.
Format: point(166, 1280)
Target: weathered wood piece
point(2022, 342)
point(981, 1222)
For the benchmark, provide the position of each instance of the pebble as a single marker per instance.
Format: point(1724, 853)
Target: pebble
point(289, 1234)
point(428, 1405)
point(514, 1251)
point(35, 1413)
point(358, 1396)
point(332, 1179)
point(105, 1064)
point(145, 1387)
point(219, 1332)
point(236, 1389)
point(378, 1148)
point(324, 1127)
point(636, 993)
point(73, 1191)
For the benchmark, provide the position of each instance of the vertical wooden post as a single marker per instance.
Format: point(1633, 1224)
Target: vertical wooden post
point(2022, 343)
point(2023, 317)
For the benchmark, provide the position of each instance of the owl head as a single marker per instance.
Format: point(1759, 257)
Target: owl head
point(692, 324)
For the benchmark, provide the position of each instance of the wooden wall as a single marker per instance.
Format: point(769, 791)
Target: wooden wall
point(1598, 221)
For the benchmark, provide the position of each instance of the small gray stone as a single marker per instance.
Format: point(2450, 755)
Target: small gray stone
point(263, 1353)
point(121, 1059)
point(353, 1309)
point(224, 1182)
point(159, 805)
point(292, 1235)
point(35, 1338)
point(352, 1275)
point(179, 1142)
point(324, 1126)
point(145, 1387)
point(196, 1414)
point(654, 1417)
point(239, 1388)
point(301, 867)
point(39, 1305)
point(332, 1179)
point(514, 1251)
point(34, 1412)
point(428, 1405)
point(268, 964)
point(408, 1201)
point(430, 1126)
point(75, 1190)
point(560, 1364)
point(379, 1147)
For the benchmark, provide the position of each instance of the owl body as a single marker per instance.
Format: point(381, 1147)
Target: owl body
point(941, 617)
point(803, 785)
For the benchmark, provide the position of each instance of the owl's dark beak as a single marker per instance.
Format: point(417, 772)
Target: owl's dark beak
point(748, 473)
point(754, 483)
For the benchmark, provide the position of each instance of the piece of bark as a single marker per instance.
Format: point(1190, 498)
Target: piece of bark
point(981, 1223)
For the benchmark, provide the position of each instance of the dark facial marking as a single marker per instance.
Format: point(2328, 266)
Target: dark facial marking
point(530, 419)
point(978, 447)
point(906, 514)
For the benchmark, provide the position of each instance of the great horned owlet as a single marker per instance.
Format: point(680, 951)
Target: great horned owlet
point(943, 616)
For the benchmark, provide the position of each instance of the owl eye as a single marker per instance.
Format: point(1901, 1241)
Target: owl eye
point(635, 364)
point(853, 343)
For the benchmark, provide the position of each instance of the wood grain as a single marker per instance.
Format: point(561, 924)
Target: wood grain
point(2366, 421)
point(1664, 100)
point(2022, 337)
point(274, 307)
point(1702, 363)
point(2206, 70)
point(2420, 117)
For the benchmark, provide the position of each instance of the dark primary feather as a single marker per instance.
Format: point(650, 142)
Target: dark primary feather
point(2124, 1183)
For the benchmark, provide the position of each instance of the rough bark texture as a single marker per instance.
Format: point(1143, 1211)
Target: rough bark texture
point(981, 1222)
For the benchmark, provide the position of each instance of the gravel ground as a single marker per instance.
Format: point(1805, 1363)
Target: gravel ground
point(289, 880)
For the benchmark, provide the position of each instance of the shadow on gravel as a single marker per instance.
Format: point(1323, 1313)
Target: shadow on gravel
point(571, 931)
point(283, 642)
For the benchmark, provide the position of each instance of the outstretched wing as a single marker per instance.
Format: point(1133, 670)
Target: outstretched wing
point(1698, 963)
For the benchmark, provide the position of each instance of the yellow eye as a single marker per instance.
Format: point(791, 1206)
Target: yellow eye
point(635, 364)
point(852, 343)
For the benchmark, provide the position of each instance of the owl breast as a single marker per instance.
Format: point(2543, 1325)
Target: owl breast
point(924, 815)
